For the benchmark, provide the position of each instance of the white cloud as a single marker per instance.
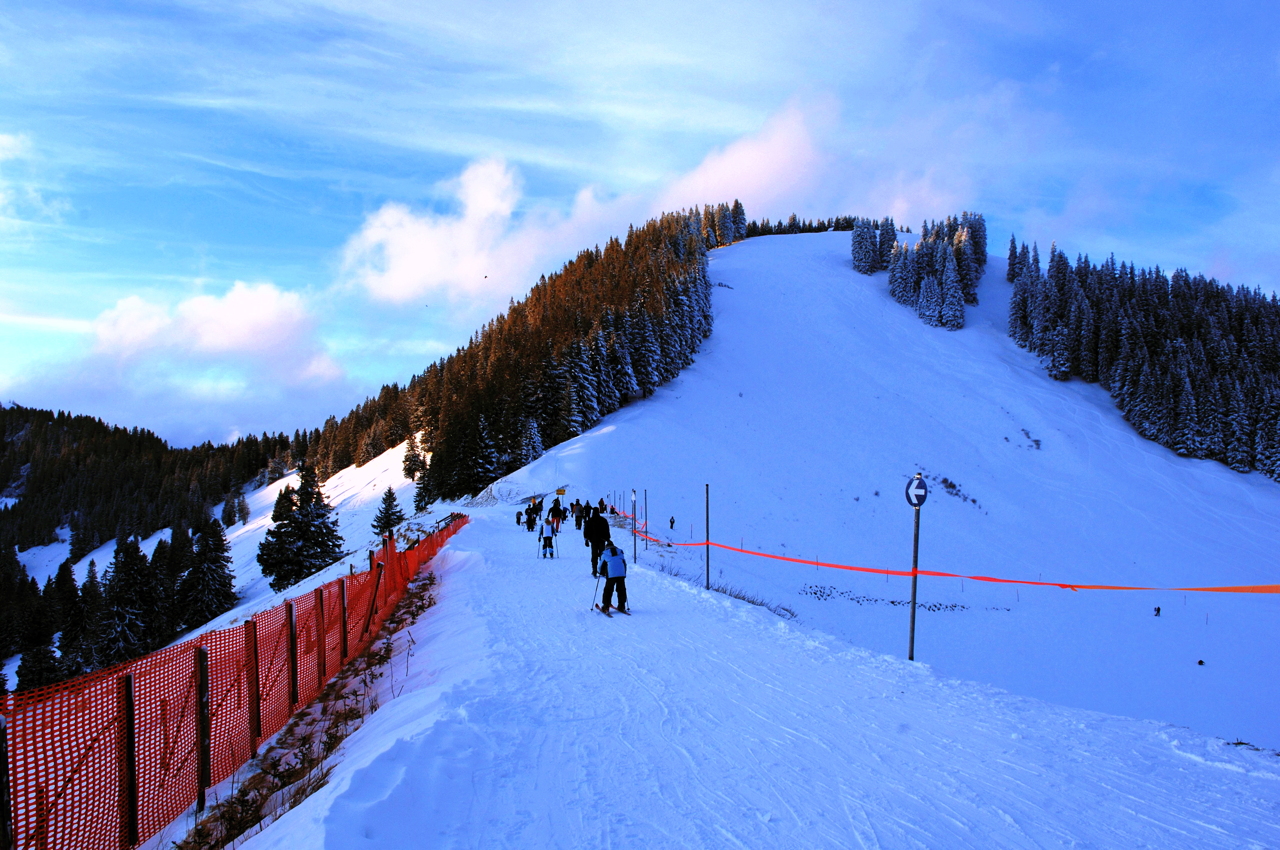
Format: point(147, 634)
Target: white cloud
point(399, 256)
point(767, 170)
point(12, 146)
point(248, 319)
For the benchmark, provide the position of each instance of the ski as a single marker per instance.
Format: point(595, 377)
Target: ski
point(602, 611)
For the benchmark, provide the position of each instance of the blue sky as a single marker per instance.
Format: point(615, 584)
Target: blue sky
point(221, 218)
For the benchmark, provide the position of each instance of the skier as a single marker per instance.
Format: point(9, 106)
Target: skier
point(602, 509)
point(673, 523)
point(596, 532)
point(579, 514)
point(519, 518)
point(529, 518)
point(548, 532)
point(615, 566)
point(556, 514)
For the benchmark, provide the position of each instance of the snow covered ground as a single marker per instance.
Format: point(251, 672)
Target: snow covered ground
point(529, 720)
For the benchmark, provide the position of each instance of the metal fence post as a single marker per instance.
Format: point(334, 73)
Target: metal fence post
point(253, 684)
point(126, 763)
point(204, 737)
point(292, 650)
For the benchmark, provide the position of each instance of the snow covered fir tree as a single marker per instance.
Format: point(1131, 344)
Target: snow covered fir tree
point(1193, 364)
point(938, 275)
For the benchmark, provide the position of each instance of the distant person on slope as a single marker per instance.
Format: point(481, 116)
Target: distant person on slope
point(615, 568)
point(548, 545)
point(596, 532)
point(529, 518)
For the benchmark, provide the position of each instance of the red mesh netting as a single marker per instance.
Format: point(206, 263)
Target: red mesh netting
point(66, 741)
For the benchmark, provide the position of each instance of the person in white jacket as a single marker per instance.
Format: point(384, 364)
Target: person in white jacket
point(548, 533)
point(615, 567)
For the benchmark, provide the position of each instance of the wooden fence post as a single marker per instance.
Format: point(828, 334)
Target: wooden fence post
point(253, 684)
point(6, 816)
point(292, 651)
point(373, 602)
point(204, 728)
point(320, 639)
point(126, 764)
point(342, 600)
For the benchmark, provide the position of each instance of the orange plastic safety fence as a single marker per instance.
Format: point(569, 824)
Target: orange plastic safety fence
point(68, 770)
point(1253, 588)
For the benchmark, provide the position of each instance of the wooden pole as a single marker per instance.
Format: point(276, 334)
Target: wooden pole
point(342, 600)
point(126, 761)
point(320, 638)
point(6, 816)
point(290, 617)
point(204, 731)
point(253, 684)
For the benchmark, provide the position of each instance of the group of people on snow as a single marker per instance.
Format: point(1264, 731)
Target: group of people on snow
point(607, 560)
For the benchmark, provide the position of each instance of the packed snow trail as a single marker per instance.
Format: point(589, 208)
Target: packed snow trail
point(702, 721)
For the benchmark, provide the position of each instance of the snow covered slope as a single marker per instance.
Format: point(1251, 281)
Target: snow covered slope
point(529, 720)
point(817, 392)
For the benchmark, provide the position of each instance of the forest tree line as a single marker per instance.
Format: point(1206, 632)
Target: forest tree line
point(1192, 364)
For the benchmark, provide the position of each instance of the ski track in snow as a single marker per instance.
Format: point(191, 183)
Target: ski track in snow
point(702, 721)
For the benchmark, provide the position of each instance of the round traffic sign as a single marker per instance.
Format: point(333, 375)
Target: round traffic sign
point(917, 491)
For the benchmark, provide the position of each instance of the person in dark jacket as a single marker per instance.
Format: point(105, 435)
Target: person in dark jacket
point(529, 518)
point(614, 567)
point(596, 532)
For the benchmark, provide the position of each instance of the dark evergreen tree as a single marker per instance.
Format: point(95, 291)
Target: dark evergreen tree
point(130, 606)
point(1011, 274)
point(413, 462)
point(39, 667)
point(389, 514)
point(208, 588)
point(304, 539)
point(739, 221)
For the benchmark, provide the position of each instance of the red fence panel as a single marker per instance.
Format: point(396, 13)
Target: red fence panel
point(229, 702)
point(62, 764)
point(68, 769)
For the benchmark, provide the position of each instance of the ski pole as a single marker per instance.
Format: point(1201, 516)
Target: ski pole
point(595, 593)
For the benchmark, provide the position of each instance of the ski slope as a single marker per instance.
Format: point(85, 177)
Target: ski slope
point(1038, 717)
point(529, 720)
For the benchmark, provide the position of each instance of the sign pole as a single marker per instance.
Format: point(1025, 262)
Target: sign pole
point(708, 555)
point(915, 575)
point(635, 541)
point(917, 492)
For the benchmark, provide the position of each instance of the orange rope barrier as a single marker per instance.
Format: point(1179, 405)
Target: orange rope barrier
point(1246, 588)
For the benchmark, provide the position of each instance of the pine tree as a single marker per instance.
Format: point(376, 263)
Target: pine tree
point(130, 605)
point(888, 240)
point(739, 221)
point(952, 313)
point(228, 514)
point(208, 588)
point(864, 248)
point(304, 538)
point(413, 462)
point(530, 443)
point(389, 514)
point(929, 305)
point(1012, 273)
point(242, 508)
point(39, 667)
